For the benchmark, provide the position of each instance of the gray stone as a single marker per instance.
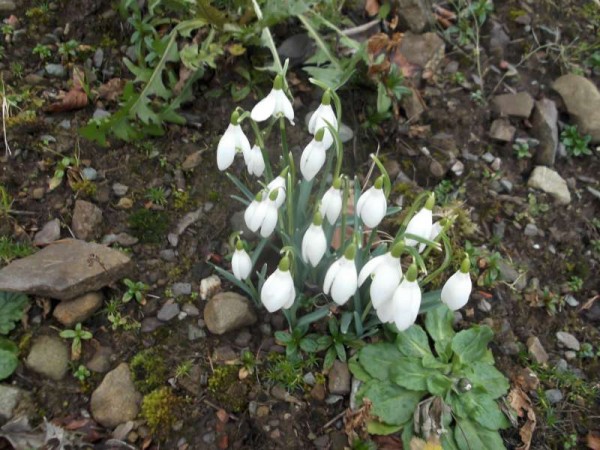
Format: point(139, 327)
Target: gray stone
point(49, 356)
point(339, 378)
point(502, 130)
point(582, 100)
point(553, 396)
point(101, 361)
point(506, 185)
point(414, 15)
point(531, 230)
point(571, 301)
point(48, 234)
point(499, 40)
point(536, 350)
point(488, 157)
point(243, 338)
point(413, 105)
point(126, 240)
point(115, 401)
point(15, 402)
point(545, 129)
point(38, 193)
point(7, 5)
point(100, 113)
point(86, 221)
point(119, 189)
point(568, 340)
point(190, 309)
point(549, 181)
point(425, 51)
point(89, 173)
point(191, 161)
point(168, 311)
point(297, 48)
point(179, 289)
point(228, 311)
point(149, 324)
point(168, 255)
point(511, 275)
point(65, 269)
point(71, 312)
point(513, 105)
point(55, 70)
point(98, 57)
point(195, 333)
point(570, 355)
point(484, 306)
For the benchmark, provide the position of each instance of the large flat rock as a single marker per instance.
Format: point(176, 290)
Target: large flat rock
point(65, 269)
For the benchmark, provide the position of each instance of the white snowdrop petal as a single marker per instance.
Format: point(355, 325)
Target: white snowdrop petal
point(278, 184)
point(241, 141)
point(420, 225)
point(456, 291)
point(385, 282)
point(345, 283)
point(226, 149)
point(275, 292)
point(241, 264)
point(285, 107)
point(270, 220)
point(331, 205)
point(369, 268)
point(330, 276)
point(265, 108)
point(312, 160)
point(314, 245)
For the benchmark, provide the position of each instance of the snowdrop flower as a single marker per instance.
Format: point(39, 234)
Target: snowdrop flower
point(262, 213)
point(278, 185)
point(331, 203)
point(436, 230)
point(403, 308)
point(456, 291)
point(314, 242)
point(278, 291)
point(372, 205)
point(313, 156)
point(254, 161)
point(421, 224)
point(241, 264)
point(319, 119)
point(386, 272)
point(233, 140)
point(341, 278)
point(275, 104)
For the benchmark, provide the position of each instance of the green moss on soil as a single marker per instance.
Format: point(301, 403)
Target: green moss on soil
point(149, 370)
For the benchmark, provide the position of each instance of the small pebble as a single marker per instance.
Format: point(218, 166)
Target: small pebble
point(119, 189)
point(181, 289)
point(190, 309)
point(168, 311)
point(553, 396)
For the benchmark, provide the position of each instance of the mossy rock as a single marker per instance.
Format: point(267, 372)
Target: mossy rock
point(159, 409)
point(227, 389)
point(149, 370)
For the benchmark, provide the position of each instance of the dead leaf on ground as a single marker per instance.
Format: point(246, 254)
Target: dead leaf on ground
point(592, 440)
point(372, 7)
point(112, 89)
point(388, 443)
point(520, 402)
point(433, 443)
point(76, 98)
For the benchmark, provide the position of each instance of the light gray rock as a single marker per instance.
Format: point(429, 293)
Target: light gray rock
point(190, 309)
point(48, 234)
point(568, 340)
point(71, 312)
point(582, 100)
point(549, 181)
point(425, 51)
point(545, 129)
point(7, 5)
point(49, 356)
point(65, 269)
point(502, 130)
point(553, 396)
point(116, 400)
point(191, 161)
point(511, 275)
point(168, 311)
point(15, 402)
point(86, 221)
point(339, 378)
point(119, 189)
point(55, 70)
point(513, 105)
point(102, 360)
point(181, 289)
point(536, 350)
point(195, 333)
point(228, 311)
point(530, 230)
point(414, 15)
point(89, 173)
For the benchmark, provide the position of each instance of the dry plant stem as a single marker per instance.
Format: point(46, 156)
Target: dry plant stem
point(5, 114)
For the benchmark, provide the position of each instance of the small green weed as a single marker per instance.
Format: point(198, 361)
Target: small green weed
point(157, 195)
point(10, 250)
point(575, 144)
point(149, 226)
point(522, 150)
point(78, 335)
point(43, 51)
point(575, 284)
point(135, 290)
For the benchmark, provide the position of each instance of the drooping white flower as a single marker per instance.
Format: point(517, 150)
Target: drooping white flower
point(275, 104)
point(314, 242)
point(241, 264)
point(233, 141)
point(254, 161)
point(331, 203)
point(341, 279)
point(278, 185)
point(436, 230)
point(456, 291)
point(313, 156)
point(320, 117)
point(386, 272)
point(372, 205)
point(421, 224)
point(278, 291)
point(262, 213)
point(403, 308)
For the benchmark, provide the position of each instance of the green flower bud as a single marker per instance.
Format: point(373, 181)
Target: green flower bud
point(430, 203)
point(379, 182)
point(397, 250)
point(278, 83)
point(337, 183)
point(326, 99)
point(239, 245)
point(235, 117)
point(465, 266)
point(284, 264)
point(350, 252)
point(320, 134)
point(412, 272)
point(317, 219)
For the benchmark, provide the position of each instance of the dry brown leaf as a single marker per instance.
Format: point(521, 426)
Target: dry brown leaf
point(112, 89)
point(592, 440)
point(433, 443)
point(388, 443)
point(76, 98)
point(372, 7)
point(521, 403)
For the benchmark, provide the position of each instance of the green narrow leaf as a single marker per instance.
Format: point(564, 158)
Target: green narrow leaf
point(413, 342)
point(314, 316)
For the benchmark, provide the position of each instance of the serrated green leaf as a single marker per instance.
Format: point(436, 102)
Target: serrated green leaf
point(12, 306)
point(413, 342)
point(8, 363)
point(392, 404)
point(470, 435)
point(487, 377)
point(471, 345)
point(377, 359)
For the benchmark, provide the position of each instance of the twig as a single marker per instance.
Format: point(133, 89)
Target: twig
point(335, 419)
point(217, 408)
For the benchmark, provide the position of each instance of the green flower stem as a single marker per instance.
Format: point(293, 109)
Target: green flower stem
point(284, 145)
point(416, 205)
point(268, 38)
point(445, 263)
point(445, 228)
point(387, 184)
point(366, 311)
point(345, 196)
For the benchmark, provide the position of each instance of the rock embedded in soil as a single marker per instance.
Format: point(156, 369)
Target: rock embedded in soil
point(228, 311)
point(553, 396)
point(549, 181)
point(15, 402)
point(421, 51)
point(568, 340)
point(414, 15)
point(536, 350)
point(168, 311)
point(101, 361)
point(48, 234)
point(116, 400)
point(545, 129)
point(502, 130)
point(49, 356)
point(55, 70)
point(513, 105)
point(339, 378)
point(180, 289)
point(71, 312)
point(87, 219)
point(65, 269)
point(7, 5)
point(119, 189)
point(582, 100)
